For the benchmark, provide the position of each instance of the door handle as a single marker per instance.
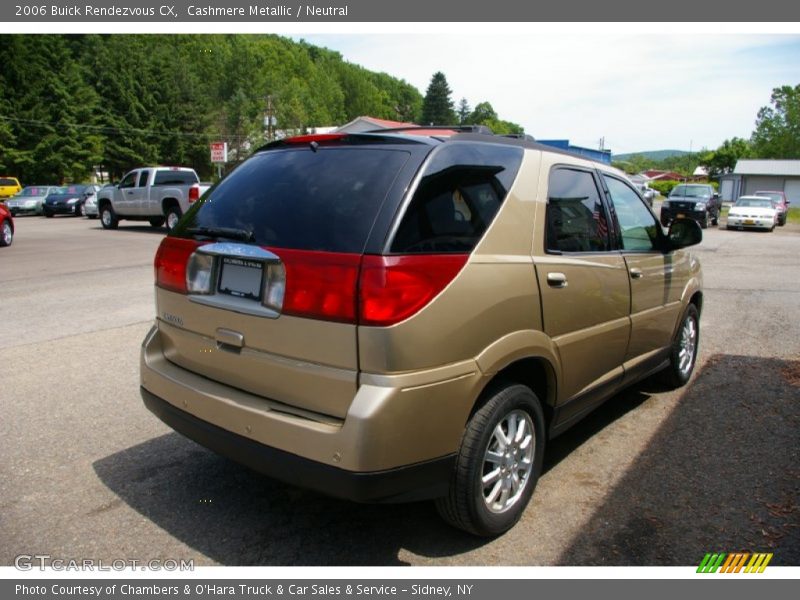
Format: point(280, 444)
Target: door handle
point(130, 192)
point(636, 273)
point(557, 280)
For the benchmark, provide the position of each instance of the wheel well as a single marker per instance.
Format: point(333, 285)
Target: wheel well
point(697, 300)
point(168, 203)
point(535, 373)
point(103, 202)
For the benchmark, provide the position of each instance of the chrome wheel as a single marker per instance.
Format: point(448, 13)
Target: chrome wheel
point(172, 219)
point(687, 346)
point(7, 235)
point(105, 217)
point(508, 461)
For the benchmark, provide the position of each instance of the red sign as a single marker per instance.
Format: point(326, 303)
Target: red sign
point(219, 152)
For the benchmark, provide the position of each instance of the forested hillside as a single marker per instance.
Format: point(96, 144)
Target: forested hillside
point(72, 102)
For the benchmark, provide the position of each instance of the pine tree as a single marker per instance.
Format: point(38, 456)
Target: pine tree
point(437, 107)
point(464, 111)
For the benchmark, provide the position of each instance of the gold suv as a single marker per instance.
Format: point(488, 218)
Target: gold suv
point(392, 317)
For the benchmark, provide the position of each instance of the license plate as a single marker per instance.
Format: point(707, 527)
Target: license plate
point(681, 216)
point(241, 278)
point(749, 222)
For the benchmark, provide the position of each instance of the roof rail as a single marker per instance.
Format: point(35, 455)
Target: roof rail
point(460, 128)
point(520, 136)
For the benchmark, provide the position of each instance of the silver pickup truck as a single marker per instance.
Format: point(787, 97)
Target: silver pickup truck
point(156, 194)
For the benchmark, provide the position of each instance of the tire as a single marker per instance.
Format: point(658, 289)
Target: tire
point(6, 234)
point(492, 509)
point(91, 217)
point(79, 210)
point(156, 222)
point(679, 370)
point(48, 214)
point(172, 216)
point(715, 220)
point(108, 218)
point(705, 222)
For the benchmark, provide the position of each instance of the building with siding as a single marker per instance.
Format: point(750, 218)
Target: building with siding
point(752, 175)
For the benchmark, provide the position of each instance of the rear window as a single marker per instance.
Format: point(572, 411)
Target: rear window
point(300, 199)
point(458, 196)
point(6, 181)
point(174, 178)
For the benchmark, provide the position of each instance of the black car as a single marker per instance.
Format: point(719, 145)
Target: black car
point(68, 199)
point(696, 201)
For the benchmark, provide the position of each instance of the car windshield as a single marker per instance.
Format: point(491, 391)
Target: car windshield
point(691, 191)
point(33, 191)
point(69, 189)
point(754, 203)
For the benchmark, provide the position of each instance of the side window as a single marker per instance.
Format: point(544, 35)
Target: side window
point(576, 218)
point(457, 198)
point(143, 175)
point(638, 227)
point(129, 180)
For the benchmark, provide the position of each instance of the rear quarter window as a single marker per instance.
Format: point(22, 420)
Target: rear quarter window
point(458, 195)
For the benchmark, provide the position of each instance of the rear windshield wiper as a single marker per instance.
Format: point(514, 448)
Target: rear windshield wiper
point(231, 233)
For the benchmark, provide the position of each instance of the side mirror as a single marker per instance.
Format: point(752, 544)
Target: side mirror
point(716, 195)
point(683, 233)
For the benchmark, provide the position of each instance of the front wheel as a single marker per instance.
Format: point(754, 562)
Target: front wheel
point(6, 234)
point(683, 354)
point(705, 222)
point(108, 219)
point(498, 464)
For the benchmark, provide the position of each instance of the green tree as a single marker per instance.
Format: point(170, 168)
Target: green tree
point(463, 111)
point(777, 133)
point(723, 159)
point(437, 107)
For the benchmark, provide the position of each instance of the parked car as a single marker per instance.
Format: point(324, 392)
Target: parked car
point(781, 203)
point(391, 317)
point(29, 201)
point(696, 201)
point(160, 195)
point(90, 204)
point(753, 212)
point(68, 199)
point(6, 226)
point(9, 186)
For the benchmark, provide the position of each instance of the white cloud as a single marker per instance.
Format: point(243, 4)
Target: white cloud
point(640, 92)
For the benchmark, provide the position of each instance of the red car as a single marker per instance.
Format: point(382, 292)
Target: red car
point(780, 202)
point(6, 226)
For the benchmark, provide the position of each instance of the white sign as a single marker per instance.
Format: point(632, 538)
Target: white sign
point(219, 152)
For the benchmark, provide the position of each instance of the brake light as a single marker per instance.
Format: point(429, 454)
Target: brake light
point(314, 137)
point(393, 288)
point(320, 285)
point(194, 193)
point(170, 263)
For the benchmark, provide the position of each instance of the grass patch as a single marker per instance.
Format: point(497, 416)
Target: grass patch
point(794, 215)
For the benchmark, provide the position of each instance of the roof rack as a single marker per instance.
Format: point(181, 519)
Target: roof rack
point(460, 128)
point(520, 136)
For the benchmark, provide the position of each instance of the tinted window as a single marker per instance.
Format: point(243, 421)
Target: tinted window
point(461, 190)
point(4, 181)
point(301, 199)
point(143, 175)
point(576, 219)
point(638, 227)
point(175, 178)
point(129, 180)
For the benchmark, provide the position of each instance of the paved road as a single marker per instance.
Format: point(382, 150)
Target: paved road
point(653, 477)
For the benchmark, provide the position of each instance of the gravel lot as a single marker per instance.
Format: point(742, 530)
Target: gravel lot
point(651, 478)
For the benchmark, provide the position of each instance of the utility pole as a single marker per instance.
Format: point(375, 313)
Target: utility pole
point(269, 117)
point(602, 143)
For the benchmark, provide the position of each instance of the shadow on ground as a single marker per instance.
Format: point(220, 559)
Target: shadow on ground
point(721, 474)
point(722, 469)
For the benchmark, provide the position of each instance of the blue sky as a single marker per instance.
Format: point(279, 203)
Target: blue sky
point(640, 92)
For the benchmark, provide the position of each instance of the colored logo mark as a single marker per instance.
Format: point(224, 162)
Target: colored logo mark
point(734, 562)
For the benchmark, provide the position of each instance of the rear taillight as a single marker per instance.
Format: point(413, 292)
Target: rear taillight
point(320, 285)
point(194, 193)
point(171, 260)
point(393, 288)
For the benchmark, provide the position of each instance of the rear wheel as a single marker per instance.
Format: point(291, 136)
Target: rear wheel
point(705, 221)
point(6, 234)
point(498, 464)
point(108, 219)
point(48, 214)
point(172, 217)
point(78, 210)
point(683, 354)
point(156, 222)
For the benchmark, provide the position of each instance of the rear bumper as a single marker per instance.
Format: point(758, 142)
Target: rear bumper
point(402, 484)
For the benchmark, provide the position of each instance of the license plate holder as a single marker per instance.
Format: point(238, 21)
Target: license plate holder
point(241, 278)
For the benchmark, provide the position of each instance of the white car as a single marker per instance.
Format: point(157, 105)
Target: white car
point(90, 206)
point(756, 212)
